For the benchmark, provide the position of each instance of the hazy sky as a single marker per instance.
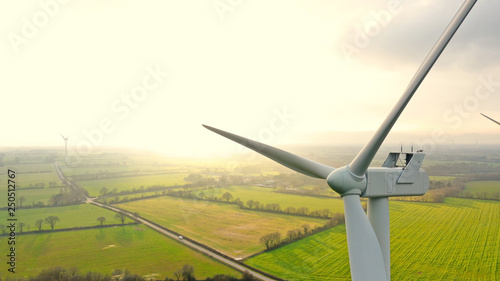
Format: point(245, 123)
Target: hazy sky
point(149, 73)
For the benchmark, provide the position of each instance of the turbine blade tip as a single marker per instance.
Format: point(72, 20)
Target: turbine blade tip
point(208, 127)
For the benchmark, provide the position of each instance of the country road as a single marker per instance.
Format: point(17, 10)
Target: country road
point(214, 255)
point(200, 249)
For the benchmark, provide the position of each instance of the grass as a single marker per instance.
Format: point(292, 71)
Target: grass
point(34, 195)
point(322, 256)
point(130, 196)
point(267, 196)
point(70, 171)
point(128, 183)
point(26, 174)
point(70, 216)
point(24, 180)
point(483, 186)
point(457, 240)
point(31, 168)
point(441, 178)
point(136, 248)
point(225, 227)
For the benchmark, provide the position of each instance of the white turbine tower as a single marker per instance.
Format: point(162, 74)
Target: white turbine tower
point(368, 236)
point(491, 119)
point(65, 148)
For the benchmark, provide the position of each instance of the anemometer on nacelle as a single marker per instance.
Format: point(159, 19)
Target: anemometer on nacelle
point(405, 179)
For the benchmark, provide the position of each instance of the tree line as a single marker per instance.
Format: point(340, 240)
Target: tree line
point(104, 175)
point(53, 220)
point(39, 185)
point(275, 240)
point(66, 196)
point(50, 220)
point(186, 273)
point(227, 197)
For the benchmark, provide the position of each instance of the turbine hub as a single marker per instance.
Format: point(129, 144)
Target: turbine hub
point(344, 182)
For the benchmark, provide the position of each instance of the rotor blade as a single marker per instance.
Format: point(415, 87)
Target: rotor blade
point(361, 162)
point(365, 255)
point(491, 119)
point(292, 161)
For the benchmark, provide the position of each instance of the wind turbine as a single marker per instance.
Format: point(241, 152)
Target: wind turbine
point(65, 148)
point(368, 236)
point(491, 119)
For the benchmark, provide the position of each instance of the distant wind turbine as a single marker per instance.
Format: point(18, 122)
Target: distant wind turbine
point(368, 236)
point(491, 119)
point(65, 148)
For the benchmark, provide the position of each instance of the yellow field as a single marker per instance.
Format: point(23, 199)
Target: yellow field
point(457, 240)
point(225, 227)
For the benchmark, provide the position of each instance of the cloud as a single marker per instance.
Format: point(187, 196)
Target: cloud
point(407, 35)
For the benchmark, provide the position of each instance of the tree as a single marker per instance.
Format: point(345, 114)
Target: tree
point(52, 220)
point(39, 223)
point(326, 213)
point(336, 219)
point(266, 240)
point(290, 210)
point(101, 219)
point(239, 203)
point(21, 226)
point(121, 217)
point(496, 195)
point(21, 200)
point(104, 190)
point(247, 276)
point(256, 204)
point(188, 273)
point(178, 274)
point(306, 228)
point(250, 204)
point(271, 239)
point(303, 211)
point(227, 196)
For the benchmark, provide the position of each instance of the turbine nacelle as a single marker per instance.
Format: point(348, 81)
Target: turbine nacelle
point(390, 180)
point(383, 182)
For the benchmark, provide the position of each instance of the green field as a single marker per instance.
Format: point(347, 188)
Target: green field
point(130, 196)
point(128, 183)
point(135, 248)
point(24, 180)
point(267, 196)
point(27, 174)
point(458, 240)
point(33, 196)
point(70, 216)
point(98, 169)
point(441, 178)
point(34, 174)
point(483, 186)
point(225, 227)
